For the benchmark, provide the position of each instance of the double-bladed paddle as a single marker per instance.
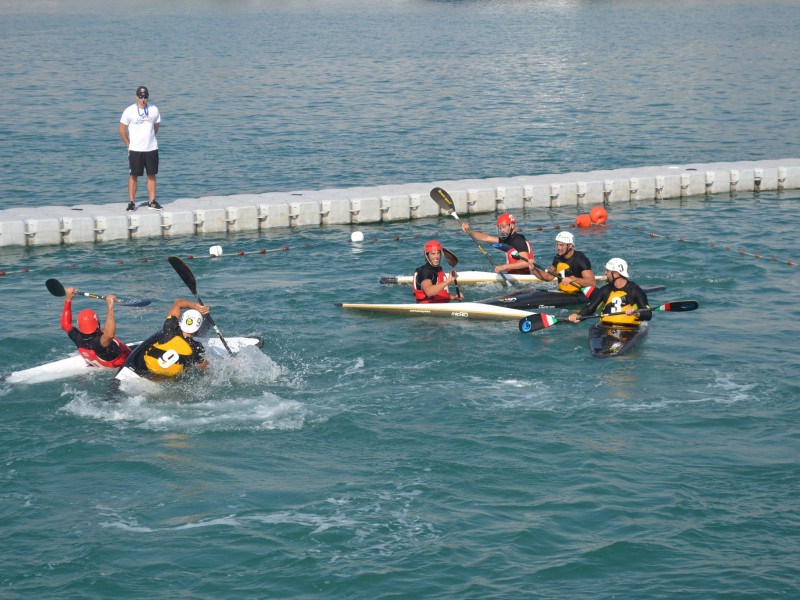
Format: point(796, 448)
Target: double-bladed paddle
point(445, 202)
point(185, 273)
point(55, 287)
point(539, 321)
point(452, 259)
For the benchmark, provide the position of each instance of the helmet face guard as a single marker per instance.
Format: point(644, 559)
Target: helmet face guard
point(191, 321)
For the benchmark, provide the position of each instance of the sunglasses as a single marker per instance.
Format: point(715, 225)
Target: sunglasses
point(142, 95)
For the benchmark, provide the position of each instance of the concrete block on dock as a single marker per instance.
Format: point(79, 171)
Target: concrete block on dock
point(114, 227)
point(509, 198)
point(12, 233)
point(788, 178)
point(273, 215)
point(242, 218)
point(365, 210)
point(41, 232)
point(77, 229)
point(304, 212)
point(481, 200)
point(335, 211)
point(144, 225)
point(209, 220)
point(177, 222)
point(395, 207)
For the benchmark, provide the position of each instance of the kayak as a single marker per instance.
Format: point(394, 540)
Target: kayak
point(75, 365)
point(213, 346)
point(460, 310)
point(537, 298)
point(465, 277)
point(606, 341)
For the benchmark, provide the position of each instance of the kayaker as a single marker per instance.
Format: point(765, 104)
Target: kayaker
point(430, 282)
point(97, 346)
point(571, 266)
point(520, 251)
point(619, 299)
point(175, 349)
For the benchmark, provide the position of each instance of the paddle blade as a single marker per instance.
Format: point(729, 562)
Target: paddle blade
point(451, 258)
point(679, 306)
point(536, 322)
point(444, 201)
point(54, 287)
point(184, 272)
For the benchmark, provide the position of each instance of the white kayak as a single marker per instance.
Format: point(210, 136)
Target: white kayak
point(465, 277)
point(213, 346)
point(472, 277)
point(75, 365)
point(459, 310)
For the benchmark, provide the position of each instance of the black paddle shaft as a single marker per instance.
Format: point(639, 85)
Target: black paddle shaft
point(445, 202)
point(452, 259)
point(185, 273)
point(55, 287)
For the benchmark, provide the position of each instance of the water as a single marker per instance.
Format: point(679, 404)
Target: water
point(368, 456)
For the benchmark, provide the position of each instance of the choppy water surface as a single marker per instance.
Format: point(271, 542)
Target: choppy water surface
point(368, 456)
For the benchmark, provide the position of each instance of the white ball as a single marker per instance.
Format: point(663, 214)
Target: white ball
point(357, 236)
point(215, 251)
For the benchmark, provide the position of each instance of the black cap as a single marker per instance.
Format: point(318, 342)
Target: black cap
point(141, 92)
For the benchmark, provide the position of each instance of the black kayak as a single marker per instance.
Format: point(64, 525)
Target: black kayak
point(606, 341)
point(536, 298)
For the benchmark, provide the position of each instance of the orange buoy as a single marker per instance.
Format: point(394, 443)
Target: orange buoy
point(583, 221)
point(598, 215)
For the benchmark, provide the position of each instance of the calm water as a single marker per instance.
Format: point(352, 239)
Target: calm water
point(363, 456)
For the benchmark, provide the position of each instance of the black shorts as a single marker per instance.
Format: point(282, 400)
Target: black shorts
point(139, 161)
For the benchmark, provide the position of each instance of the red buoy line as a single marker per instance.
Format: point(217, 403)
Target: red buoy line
point(740, 251)
point(146, 260)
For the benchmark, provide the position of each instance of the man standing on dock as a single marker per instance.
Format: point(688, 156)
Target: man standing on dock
point(138, 127)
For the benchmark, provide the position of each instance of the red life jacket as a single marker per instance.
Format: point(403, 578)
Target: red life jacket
point(511, 259)
point(443, 296)
point(91, 358)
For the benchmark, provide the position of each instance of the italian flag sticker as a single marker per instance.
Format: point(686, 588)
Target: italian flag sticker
point(548, 320)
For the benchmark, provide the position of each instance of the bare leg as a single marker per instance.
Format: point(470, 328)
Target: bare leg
point(133, 183)
point(151, 187)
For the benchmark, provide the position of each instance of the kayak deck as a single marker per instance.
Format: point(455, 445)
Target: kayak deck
point(606, 341)
point(459, 310)
point(537, 298)
point(75, 365)
point(472, 277)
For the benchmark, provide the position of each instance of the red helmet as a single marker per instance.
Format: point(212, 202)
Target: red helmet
point(506, 219)
point(432, 245)
point(87, 321)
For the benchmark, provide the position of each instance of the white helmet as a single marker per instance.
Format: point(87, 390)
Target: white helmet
point(191, 320)
point(565, 237)
point(617, 265)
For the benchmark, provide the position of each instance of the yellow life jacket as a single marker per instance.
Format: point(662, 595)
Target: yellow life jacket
point(567, 288)
point(168, 358)
point(614, 310)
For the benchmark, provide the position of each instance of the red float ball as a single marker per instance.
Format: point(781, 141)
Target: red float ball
point(598, 215)
point(583, 221)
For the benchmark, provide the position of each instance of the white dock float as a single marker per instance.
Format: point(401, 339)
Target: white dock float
point(49, 225)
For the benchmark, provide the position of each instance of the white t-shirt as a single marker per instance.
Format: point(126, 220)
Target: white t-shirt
point(140, 124)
